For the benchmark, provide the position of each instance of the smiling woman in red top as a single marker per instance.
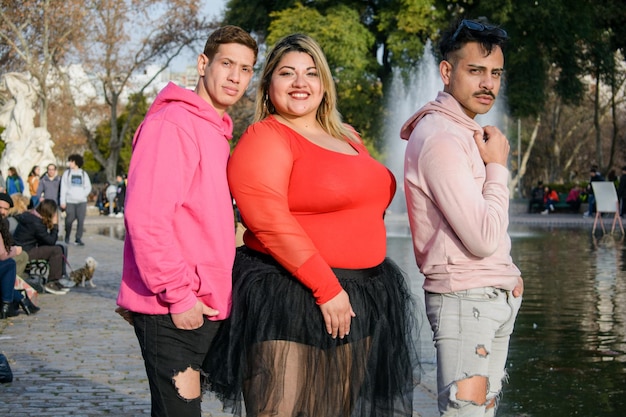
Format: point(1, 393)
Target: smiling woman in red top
point(322, 323)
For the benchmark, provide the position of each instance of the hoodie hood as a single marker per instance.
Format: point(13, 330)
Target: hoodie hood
point(194, 104)
point(446, 104)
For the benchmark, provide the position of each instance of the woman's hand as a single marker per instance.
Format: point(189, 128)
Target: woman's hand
point(337, 315)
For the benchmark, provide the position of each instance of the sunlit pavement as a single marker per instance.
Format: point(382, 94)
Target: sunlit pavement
point(77, 357)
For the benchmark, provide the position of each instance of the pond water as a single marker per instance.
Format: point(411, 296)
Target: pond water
point(568, 352)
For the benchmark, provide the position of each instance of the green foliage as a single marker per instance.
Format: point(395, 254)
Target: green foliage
point(555, 47)
point(346, 44)
point(362, 41)
point(253, 16)
point(548, 39)
point(344, 40)
point(407, 28)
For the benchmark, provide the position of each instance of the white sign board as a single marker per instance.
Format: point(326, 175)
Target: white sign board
point(606, 196)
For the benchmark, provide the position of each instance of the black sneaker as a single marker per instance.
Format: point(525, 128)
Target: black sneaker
point(55, 288)
point(79, 242)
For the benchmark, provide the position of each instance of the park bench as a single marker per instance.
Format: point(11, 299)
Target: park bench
point(560, 206)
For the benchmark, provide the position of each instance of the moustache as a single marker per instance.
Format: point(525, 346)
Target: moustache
point(485, 93)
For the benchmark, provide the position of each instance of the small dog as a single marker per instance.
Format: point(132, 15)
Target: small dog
point(85, 274)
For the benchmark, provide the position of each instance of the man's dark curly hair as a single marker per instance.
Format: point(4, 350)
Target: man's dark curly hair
point(77, 159)
point(459, 34)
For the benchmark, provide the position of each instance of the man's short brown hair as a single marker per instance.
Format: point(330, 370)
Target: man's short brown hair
point(229, 34)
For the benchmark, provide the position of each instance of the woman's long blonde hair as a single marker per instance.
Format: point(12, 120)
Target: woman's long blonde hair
point(327, 114)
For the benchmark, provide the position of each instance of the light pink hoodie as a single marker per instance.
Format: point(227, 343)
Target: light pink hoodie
point(458, 207)
point(180, 239)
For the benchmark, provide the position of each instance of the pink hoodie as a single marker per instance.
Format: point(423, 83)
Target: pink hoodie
point(180, 238)
point(458, 207)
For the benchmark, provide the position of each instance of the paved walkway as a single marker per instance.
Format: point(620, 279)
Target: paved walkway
point(76, 357)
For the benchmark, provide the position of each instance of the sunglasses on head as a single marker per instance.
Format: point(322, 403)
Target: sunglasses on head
point(477, 27)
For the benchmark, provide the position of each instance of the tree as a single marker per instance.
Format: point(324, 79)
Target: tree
point(400, 28)
point(363, 41)
point(102, 135)
point(114, 40)
point(35, 36)
point(550, 65)
point(125, 38)
point(346, 44)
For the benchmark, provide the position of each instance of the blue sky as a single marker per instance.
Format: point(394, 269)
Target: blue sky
point(212, 8)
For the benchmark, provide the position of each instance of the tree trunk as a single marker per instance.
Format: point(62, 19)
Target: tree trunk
point(596, 122)
point(531, 143)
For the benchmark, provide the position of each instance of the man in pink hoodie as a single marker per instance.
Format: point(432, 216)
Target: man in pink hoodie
point(457, 199)
point(180, 241)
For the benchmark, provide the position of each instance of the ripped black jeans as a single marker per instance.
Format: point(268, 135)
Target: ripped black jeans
point(168, 351)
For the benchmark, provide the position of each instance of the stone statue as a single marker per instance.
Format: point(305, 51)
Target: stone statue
point(26, 145)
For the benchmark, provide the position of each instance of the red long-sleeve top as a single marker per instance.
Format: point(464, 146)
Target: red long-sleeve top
point(312, 209)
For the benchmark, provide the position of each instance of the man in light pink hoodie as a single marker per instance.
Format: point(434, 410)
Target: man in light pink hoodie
point(180, 241)
point(457, 198)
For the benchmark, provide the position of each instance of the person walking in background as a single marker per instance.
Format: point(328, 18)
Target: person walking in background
point(111, 193)
point(612, 177)
point(322, 321)
point(457, 199)
point(49, 185)
point(120, 194)
point(594, 175)
point(75, 189)
point(536, 196)
point(621, 192)
point(33, 184)
point(179, 246)
point(15, 185)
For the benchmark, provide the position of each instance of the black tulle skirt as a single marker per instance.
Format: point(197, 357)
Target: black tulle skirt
point(275, 355)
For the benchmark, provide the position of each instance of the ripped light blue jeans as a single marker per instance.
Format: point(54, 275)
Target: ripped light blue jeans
point(471, 331)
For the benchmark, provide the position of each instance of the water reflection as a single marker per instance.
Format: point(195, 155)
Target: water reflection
point(568, 350)
point(116, 231)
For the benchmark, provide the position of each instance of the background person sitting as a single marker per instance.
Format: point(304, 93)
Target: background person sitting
point(16, 204)
point(574, 198)
point(11, 299)
point(37, 232)
point(550, 197)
